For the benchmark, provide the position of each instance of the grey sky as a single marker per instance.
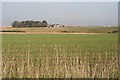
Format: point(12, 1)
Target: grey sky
point(60, 0)
point(0, 13)
point(68, 13)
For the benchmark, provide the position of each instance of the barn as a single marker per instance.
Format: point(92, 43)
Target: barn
point(57, 25)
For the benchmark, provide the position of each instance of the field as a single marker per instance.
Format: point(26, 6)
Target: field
point(60, 30)
point(60, 55)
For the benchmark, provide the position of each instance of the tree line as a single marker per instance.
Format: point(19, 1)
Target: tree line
point(30, 23)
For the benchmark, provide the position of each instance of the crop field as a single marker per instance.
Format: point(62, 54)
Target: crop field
point(81, 29)
point(59, 55)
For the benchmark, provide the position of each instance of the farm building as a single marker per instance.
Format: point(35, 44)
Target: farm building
point(57, 25)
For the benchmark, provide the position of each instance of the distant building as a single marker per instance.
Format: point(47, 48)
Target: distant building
point(56, 25)
point(107, 26)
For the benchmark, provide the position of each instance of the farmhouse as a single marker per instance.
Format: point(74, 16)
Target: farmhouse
point(56, 25)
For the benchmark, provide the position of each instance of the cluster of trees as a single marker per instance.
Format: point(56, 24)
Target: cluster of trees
point(30, 23)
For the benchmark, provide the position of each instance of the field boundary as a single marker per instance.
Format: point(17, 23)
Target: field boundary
point(43, 33)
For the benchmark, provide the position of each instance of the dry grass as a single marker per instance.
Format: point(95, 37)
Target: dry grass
point(59, 63)
point(59, 30)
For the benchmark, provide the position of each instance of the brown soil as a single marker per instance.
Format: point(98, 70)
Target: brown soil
point(43, 33)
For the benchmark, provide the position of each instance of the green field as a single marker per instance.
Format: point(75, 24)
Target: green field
point(84, 41)
point(60, 55)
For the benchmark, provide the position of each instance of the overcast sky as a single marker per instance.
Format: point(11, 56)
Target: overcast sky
point(68, 13)
point(60, 0)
